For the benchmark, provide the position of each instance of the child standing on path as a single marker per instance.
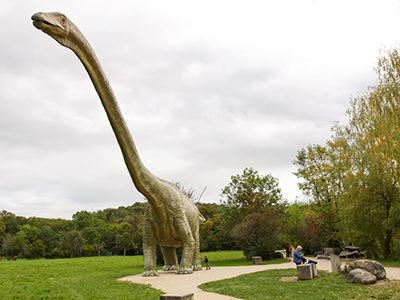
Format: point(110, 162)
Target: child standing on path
point(207, 264)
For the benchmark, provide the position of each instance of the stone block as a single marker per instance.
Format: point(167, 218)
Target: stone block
point(314, 270)
point(257, 260)
point(177, 296)
point(304, 272)
point(335, 263)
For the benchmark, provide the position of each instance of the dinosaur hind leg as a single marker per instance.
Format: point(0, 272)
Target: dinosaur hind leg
point(186, 265)
point(170, 258)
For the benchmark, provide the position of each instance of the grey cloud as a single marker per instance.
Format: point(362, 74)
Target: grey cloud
point(206, 92)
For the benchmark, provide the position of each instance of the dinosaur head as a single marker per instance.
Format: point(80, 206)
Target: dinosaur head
point(56, 25)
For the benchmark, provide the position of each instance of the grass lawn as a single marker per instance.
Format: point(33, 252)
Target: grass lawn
point(267, 285)
point(87, 277)
point(95, 278)
point(391, 263)
point(76, 278)
point(234, 258)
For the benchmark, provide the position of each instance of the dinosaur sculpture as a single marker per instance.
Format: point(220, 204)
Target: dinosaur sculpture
point(171, 219)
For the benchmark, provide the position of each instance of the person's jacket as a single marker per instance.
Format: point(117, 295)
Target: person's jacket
point(297, 257)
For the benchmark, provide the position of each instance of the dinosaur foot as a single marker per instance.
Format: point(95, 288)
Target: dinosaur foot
point(149, 273)
point(184, 271)
point(197, 267)
point(170, 268)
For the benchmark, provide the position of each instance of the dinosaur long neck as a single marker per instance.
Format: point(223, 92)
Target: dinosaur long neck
point(142, 178)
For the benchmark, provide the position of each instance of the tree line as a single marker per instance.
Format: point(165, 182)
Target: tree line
point(351, 185)
point(252, 217)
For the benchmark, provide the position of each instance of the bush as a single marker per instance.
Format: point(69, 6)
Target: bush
point(258, 234)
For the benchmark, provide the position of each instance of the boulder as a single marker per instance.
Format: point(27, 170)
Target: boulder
point(361, 276)
point(371, 266)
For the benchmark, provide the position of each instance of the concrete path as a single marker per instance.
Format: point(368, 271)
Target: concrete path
point(169, 282)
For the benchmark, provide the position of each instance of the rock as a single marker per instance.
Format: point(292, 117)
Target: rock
point(361, 276)
point(371, 266)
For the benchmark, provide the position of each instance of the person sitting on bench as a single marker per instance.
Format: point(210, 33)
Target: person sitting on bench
point(298, 258)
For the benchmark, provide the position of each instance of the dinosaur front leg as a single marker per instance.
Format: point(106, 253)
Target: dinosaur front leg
point(170, 258)
point(149, 251)
point(150, 265)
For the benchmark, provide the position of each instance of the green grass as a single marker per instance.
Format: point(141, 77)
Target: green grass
point(391, 263)
point(86, 278)
point(95, 278)
point(77, 278)
point(266, 285)
point(234, 258)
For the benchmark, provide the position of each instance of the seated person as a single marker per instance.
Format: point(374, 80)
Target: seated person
point(298, 258)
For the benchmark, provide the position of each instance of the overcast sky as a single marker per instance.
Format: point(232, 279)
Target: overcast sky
point(207, 88)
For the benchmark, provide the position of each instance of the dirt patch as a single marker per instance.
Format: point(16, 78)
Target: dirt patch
point(387, 283)
point(286, 279)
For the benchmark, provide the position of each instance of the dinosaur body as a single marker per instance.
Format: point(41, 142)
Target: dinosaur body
point(171, 219)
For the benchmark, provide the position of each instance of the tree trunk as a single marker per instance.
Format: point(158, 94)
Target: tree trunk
point(388, 241)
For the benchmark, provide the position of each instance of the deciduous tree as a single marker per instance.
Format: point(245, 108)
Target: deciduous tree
point(253, 208)
point(73, 242)
point(373, 135)
point(251, 193)
point(322, 170)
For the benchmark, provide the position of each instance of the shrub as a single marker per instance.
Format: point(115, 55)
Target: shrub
point(258, 234)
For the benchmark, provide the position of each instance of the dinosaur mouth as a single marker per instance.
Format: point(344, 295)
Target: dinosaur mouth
point(40, 22)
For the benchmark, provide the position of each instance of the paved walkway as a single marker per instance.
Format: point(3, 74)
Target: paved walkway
point(169, 282)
